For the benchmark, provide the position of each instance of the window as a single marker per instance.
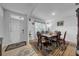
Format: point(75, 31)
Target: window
point(16, 17)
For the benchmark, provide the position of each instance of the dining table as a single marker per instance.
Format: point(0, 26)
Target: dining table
point(48, 35)
point(51, 37)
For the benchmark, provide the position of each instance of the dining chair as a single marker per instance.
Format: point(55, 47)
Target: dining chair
point(46, 42)
point(62, 41)
point(39, 38)
point(56, 38)
point(42, 41)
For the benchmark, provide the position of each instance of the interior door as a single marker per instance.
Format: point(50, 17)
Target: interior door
point(16, 30)
point(14, 27)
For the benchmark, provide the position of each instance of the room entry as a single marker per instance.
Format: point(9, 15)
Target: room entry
point(14, 25)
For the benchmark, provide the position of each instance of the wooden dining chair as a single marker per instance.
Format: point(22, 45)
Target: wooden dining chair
point(62, 40)
point(42, 41)
point(46, 42)
point(57, 38)
point(39, 38)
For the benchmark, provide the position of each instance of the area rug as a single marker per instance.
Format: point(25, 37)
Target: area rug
point(53, 51)
point(28, 51)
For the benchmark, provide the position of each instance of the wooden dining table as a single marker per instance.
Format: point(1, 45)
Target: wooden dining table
point(53, 35)
point(50, 37)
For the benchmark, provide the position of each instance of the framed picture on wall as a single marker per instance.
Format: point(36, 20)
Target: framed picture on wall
point(60, 23)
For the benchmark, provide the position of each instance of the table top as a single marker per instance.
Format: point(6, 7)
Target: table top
point(50, 35)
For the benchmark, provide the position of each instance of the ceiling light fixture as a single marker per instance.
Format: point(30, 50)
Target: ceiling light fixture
point(53, 14)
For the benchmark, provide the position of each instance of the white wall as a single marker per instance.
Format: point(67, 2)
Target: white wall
point(31, 29)
point(1, 22)
point(70, 25)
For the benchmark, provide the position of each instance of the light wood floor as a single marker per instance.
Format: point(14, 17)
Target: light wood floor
point(69, 51)
point(23, 51)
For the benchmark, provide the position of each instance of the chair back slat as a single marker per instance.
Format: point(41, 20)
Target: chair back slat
point(64, 37)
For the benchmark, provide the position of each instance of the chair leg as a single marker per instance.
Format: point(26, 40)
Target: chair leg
point(57, 44)
point(41, 47)
point(37, 44)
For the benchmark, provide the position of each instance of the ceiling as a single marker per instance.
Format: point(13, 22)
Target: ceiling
point(61, 9)
point(43, 10)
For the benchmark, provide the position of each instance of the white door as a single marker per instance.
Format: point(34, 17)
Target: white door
point(16, 30)
point(15, 27)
